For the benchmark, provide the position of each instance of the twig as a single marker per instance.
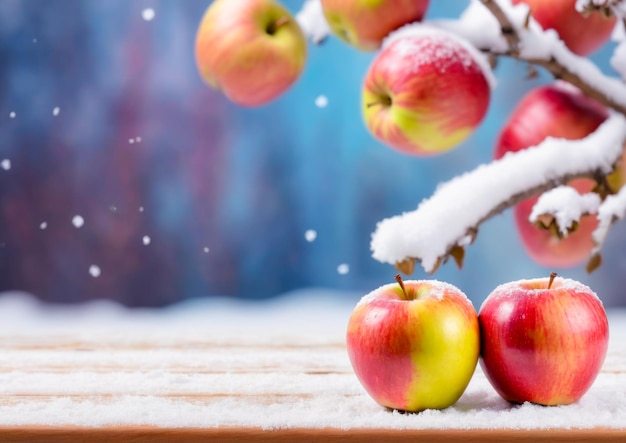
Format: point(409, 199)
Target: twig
point(553, 64)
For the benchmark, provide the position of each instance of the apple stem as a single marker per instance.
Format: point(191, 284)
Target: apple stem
point(405, 295)
point(274, 26)
point(385, 101)
point(552, 277)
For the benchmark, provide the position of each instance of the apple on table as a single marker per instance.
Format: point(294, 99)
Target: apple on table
point(365, 23)
point(426, 92)
point(251, 50)
point(542, 340)
point(414, 345)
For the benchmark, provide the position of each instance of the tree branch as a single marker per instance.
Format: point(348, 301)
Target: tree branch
point(560, 62)
point(451, 217)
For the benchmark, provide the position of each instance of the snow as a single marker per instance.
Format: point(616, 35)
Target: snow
point(312, 21)
point(94, 271)
point(446, 49)
point(436, 225)
point(146, 240)
point(477, 26)
point(310, 235)
point(148, 14)
point(343, 269)
point(618, 60)
point(566, 205)
point(78, 221)
point(437, 289)
point(5, 164)
point(213, 363)
point(612, 209)
point(56, 111)
point(321, 101)
point(540, 285)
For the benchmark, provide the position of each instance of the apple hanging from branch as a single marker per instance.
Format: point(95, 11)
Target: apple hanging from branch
point(559, 111)
point(364, 24)
point(425, 92)
point(251, 50)
point(582, 33)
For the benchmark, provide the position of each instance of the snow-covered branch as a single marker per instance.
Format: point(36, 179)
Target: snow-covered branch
point(605, 7)
point(448, 221)
point(450, 218)
point(560, 209)
point(611, 210)
point(528, 42)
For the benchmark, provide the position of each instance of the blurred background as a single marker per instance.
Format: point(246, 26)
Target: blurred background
point(124, 177)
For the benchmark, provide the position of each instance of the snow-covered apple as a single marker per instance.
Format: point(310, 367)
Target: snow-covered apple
point(542, 340)
point(251, 50)
point(581, 34)
point(425, 92)
point(365, 23)
point(414, 345)
point(561, 111)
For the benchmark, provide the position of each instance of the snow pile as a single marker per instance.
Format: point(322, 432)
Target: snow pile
point(566, 205)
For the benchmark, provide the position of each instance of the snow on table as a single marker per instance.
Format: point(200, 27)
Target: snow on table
point(213, 364)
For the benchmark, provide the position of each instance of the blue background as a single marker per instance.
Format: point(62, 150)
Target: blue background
point(244, 183)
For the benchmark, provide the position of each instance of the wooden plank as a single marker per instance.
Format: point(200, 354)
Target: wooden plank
point(234, 435)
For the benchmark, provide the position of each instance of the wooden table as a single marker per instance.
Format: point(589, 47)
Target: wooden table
point(232, 372)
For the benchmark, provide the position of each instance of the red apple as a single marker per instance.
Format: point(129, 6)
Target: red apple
point(252, 50)
point(425, 92)
point(582, 35)
point(364, 24)
point(561, 111)
point(414, 345)
point(542, 340)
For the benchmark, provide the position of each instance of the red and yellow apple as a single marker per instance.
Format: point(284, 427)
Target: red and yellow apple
point(561, 111)
point(425, 93)
point(581, 34)
point(251, 50)
point(365, 23)
point(414, 345)
point(542, 340)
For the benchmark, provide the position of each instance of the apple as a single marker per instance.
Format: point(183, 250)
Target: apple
point(581, 34)
point(425, 92)
point(365, 23)
point(414, 345)
point(252, 50)
point(542, 340)
point(557, 110)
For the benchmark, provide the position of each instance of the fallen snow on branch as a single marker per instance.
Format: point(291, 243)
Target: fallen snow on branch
point(566, 205)
point(312, 21)
point(456, 209)
point(612, 209)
